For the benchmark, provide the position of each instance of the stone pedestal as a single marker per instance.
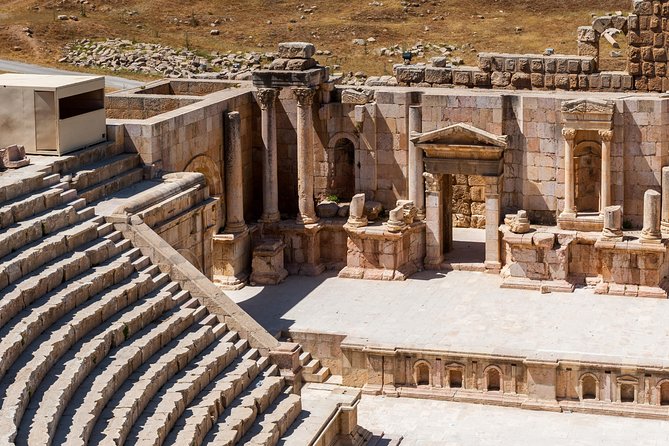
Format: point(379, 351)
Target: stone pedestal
point(356, 214)
point(231, 259)
point(287, 358)
point(378, 254)
point(267, 265)
point(613, 218)
point(302, 248)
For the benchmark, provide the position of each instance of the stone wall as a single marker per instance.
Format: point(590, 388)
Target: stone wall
point(469, 202)
point(647, 37)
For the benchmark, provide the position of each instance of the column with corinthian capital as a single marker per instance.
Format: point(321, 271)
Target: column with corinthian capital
point(270, 186)
point(305, 156)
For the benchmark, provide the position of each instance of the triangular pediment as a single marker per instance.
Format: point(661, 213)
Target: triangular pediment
point(460, 135)
point(591, 106)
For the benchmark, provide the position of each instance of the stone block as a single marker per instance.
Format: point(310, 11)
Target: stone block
point(481, 79)
point(562, 81)
point(462, 77)
point(300, 64)
point(537, 66)
point(550, 65)
point(587, 34)
point(537, 80)
point(523, 65)
point(521, 80)
point(485, 63)
point(410, 74)
point(435, 75)
point(659, 54)
point(574, 66)
point(500, 79)
point(296, 50)
point(601, 24)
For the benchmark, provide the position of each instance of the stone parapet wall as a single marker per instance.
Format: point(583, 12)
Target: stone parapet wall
point(648, 38)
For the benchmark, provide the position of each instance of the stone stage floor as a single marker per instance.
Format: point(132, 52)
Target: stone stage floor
point(443, 423)
point(466, 311)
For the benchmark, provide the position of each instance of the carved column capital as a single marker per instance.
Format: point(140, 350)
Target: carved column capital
point(304, 96)
point(266, 97)
point(606, 135)
point(569, 134)
point(432, 182)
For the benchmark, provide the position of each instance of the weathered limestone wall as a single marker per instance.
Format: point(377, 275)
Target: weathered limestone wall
point(191, 138)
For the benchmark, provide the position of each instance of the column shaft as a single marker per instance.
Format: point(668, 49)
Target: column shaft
point(234, 187)
point(605, 195)
point(569, 135)
point(270, 186)
point(305, 156)
point(416, 189)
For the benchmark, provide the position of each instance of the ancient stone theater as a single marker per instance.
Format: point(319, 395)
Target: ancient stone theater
point(127, 216)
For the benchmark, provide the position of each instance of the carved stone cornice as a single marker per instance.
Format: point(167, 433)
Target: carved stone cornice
point(569, 134)
point(606, 135)
point(304, 96)
point(266, 97)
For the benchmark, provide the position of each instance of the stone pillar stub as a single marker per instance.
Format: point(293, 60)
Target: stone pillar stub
point(234, 193)
point(305, 156)
point(613, 220)
point(416, 190)
point(651, 217)
point(665, 199)
point(356, 213)
point(270, 182)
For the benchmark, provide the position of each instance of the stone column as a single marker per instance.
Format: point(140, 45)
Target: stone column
point(270, 185)
point(305, 156)
point(234, 192)
point(569, 137)
point(665, 199)
point(651, 217)
point(416, 191)
point(434, 220)
point(605, 194)
point(493, 260)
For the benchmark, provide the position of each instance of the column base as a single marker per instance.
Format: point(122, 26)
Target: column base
point(231, 259)
point(235, 228)
point(306, 220)
point(433, 264)
point(270, 218)
point(267, 266)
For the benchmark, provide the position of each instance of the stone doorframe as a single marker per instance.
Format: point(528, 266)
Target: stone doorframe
point(467, 150)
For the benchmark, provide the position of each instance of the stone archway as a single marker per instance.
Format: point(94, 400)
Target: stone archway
point(211, 171)
point(343, 173)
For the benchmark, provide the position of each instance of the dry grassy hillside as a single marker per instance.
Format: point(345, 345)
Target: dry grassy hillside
point(471, 25)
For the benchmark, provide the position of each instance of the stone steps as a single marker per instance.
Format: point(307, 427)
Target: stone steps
point(203, 414)
point(26, 260)
point(35, 202)
point(123, 410)
point(170, 404)
point(238, 418)
point(51, 346)
point(105, 188)
point(102, 170)
point(27, 231)
point(78, 160)
point(272, 424)
point(79, 363)
point(34, 320)
point(82, 414)
point(62, 269)
point(22, 182)
point(312, 370)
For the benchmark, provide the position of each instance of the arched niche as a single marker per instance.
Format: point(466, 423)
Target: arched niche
point(211, 171)
point(341, 175)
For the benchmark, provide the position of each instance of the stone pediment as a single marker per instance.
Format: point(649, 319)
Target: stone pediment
point(589, 106)
point(460, 135)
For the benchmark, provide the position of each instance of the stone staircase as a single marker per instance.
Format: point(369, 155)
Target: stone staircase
point(97, 346)
point(312, 370)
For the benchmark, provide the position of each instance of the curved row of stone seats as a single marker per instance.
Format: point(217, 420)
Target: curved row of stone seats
point(97, 346)
point(97, 180)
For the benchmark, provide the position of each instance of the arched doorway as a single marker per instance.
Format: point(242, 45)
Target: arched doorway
point(342, 181)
